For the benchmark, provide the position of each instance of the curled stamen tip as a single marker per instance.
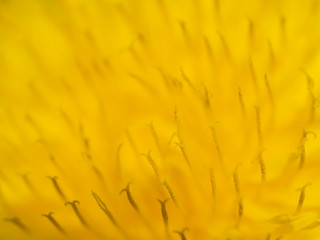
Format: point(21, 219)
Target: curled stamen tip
point(73, 203)
point(163, 201)
point(181, 233)
point(304, 187)
point(126, 189)
point(47, 215)
point(52, 177)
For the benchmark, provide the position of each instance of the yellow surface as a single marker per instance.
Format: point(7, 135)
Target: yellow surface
point(223, 93)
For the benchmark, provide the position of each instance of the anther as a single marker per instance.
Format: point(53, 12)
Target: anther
point(54, 222)
point(258, 121)
point(152, 163)
point(130, 198)
point(164, 213)
point(181, 233)
point(16, 221)
point(302, 197)
point(76, 211)
point(57, 187)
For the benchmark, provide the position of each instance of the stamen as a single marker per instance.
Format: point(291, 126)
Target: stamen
point(243, 110)
point(77, 212)
point(302, 148)
point(132, 143)
point(258, 119)
point(314, 105)
point(213, 184)
point(152, 163)
point(253, 74)
point(155, 137)
point(85, 139)
point(302, 156)
point(54, 222)
point(105, 209)
point(98, 173)
point(266, 81)
point(314, 100)
point(130, 198)
point(67, 119)
point(216, 142)
point(170, 191)
point(251, 31)
point(164, 213)
point(302, 197)
point(236, 180)
point(144, 83)
point(262, 167)
point(268, 237)
point(283, 27)
point(184, 29)
point(177, 120)
point(164, 77)
point(181, 233)
point(271, 54)
point(118, 159)
point(29, 184)
point(16, 221)
point(172, 137)
point(187, 80)
point(225, 46)
point(240, 210)
point(217, 7)
point(209, 49)
point(184, 154)
point(206, 96)
point(57, 187)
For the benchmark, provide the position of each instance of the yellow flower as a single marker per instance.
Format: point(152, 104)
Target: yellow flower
point(159, 119)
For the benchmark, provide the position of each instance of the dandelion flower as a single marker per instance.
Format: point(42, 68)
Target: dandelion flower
point(159, 119)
